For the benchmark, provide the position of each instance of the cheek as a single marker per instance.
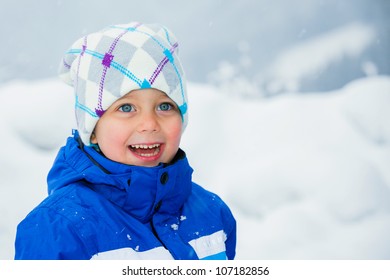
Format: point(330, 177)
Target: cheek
point(109, 133)
point(175, 131)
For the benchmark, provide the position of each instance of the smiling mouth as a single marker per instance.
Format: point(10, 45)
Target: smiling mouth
point(145, 150)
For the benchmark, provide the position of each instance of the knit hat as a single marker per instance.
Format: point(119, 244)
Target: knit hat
point(106, 65)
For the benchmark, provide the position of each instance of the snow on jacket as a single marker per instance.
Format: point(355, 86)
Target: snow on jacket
point(100, 209)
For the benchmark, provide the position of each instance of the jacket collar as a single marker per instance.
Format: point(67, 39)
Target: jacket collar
point(140, 191)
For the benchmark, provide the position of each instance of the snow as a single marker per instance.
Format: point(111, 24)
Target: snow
point(175, 226)
point(307, 176)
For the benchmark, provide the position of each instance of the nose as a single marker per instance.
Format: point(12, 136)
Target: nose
point(148, 122)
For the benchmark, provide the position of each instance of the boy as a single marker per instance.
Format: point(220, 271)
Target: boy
point(121, 187)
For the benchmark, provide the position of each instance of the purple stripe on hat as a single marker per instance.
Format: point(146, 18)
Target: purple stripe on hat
point(66, 65)
point(158, 70)
point(99, 111)
point(106, 62)
point(84, 48)
point(168, 57)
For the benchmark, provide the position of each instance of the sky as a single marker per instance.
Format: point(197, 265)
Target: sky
point(36, 33)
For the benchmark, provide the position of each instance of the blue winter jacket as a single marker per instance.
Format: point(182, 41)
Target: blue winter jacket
point(100, 209)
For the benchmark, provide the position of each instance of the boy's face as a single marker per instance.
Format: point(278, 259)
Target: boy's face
point(142, 128)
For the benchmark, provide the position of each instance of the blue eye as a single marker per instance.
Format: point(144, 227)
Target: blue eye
point(165, 107)
point(126, 108)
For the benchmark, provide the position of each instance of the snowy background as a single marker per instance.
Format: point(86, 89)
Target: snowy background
point(289, 114)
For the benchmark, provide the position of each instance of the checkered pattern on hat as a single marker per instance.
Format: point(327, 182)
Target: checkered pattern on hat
point(106, 65)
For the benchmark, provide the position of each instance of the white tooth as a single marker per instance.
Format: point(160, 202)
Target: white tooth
point(138, 146)
point(150, 155)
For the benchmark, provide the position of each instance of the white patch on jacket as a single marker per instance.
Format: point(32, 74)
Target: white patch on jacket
point(204, 247)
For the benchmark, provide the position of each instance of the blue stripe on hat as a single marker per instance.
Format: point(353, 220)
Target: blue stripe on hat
point(85, 108)
point(169, 55)
point(114, 64)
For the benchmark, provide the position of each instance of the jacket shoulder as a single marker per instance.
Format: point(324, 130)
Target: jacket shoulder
point(210, 216)
point(54, 229)
point(211, 209)
point(204, 197)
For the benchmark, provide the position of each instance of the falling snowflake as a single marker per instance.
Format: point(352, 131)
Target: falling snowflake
point(128, 236)
point(182, 218)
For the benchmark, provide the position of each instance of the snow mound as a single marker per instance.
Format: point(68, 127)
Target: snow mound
point(38, 112)
point(367, 107)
